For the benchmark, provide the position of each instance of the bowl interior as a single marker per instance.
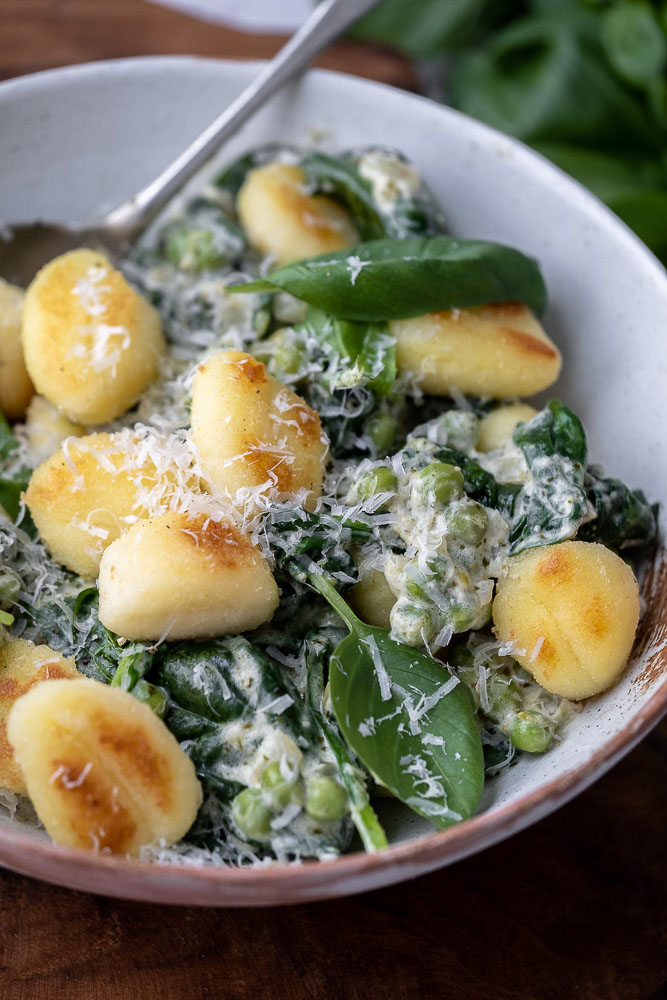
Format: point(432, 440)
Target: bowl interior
point(79, 141)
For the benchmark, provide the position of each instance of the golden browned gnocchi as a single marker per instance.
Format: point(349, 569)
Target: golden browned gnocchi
point(252, 432)
point(571, 611)
point(102, 771)
point(92, 345)
point(16, 388)
point(46, 428)
point(22, 665)
point(497, 426)
point(90, 491)
point(496, 350)
point(283, 220)
point(181, 577)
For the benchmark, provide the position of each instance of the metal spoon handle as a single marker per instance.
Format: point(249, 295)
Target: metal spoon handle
point(329, 19)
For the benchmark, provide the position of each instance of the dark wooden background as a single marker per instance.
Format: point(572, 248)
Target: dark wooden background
point(574, 908)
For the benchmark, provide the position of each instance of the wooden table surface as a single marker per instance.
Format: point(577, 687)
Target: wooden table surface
point(574, 908)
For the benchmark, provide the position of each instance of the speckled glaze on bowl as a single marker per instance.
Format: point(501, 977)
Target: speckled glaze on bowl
point(77, 141)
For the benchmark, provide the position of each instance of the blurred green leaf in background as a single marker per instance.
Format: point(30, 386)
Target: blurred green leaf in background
point(582, 81)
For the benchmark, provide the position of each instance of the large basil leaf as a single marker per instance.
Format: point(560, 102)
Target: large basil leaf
point(409, 722)
point(398, 279)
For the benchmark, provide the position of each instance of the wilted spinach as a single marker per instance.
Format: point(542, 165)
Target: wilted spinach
point(624, 517)
point(551, 507)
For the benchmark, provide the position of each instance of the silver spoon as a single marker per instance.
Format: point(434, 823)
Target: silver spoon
point(26, 247)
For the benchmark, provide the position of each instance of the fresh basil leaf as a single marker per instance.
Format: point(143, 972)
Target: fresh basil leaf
point(545, 77)
point(409, 722)
point(398, 279)
point(428, 30)
point(634, 42)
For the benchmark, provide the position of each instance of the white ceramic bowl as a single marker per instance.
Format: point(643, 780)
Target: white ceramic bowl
point(78, 141)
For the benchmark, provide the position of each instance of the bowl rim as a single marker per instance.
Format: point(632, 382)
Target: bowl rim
point(284, 882)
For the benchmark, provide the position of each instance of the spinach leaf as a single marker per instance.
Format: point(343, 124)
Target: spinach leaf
point(11, 485)
point(340, 176)
point(366, 351)
point(409, 722)
point(408, 216)
point(301, 539)
point(553, 505)
point(318, 650)
point(398, 279)
point(479, 484)
point(624, 517)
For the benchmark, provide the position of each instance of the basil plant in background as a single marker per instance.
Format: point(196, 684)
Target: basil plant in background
point(582, 81)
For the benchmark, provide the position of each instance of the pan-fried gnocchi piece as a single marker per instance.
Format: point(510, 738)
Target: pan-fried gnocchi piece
point(372, 599)
point(178, 577)
point(571, 611)
point(83, 497)
point(103, 772)
point(22, 665)
point(92, 345)
point(16, 388)
point(498, 425)
point(46, 428)
point(280, 218)
point(253, 432)
point(498, 350)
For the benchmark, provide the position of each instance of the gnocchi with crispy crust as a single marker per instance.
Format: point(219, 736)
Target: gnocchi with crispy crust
point(103, 772)
point(571, 611)
point(252, 432)
point(16, 389)
point(93, 488)
point(92, 345)
point(496, 350)
point(224, 584)
point(22, 665)
point(283, 220)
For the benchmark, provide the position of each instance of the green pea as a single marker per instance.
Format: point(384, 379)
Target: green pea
point(531, 732)
point(287, 350)
point(378, 480)
point(381, 429)
point(192, 249)
point(458, 429)
point(412, 623)
point(504, 698)
point(326, 800)
point(439, 482)
point(155, 697)
point(252, 815)
point(468, 523)
point(277, 788)
point(261, 320)
point(460, 616)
